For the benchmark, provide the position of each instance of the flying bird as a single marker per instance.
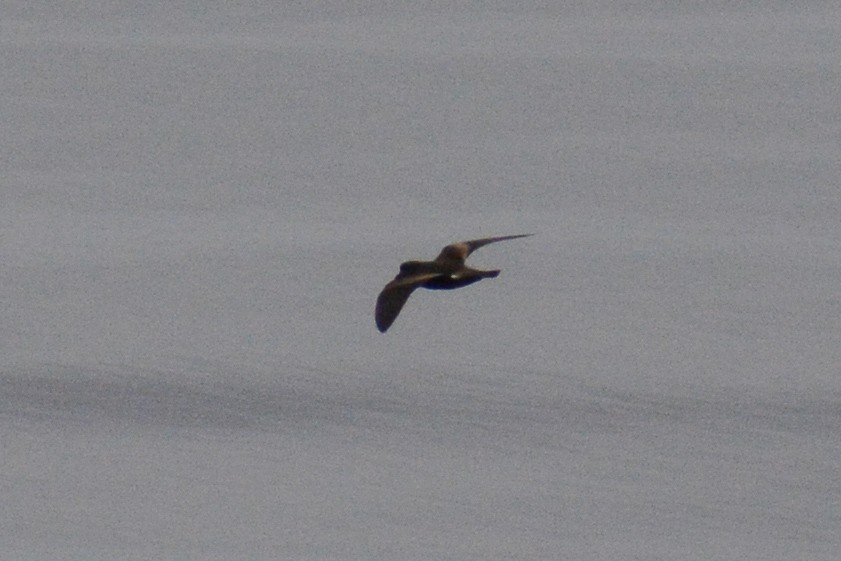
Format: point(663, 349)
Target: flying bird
point(446, 272)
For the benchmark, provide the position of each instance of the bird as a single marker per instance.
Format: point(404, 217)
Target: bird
point(445, 272)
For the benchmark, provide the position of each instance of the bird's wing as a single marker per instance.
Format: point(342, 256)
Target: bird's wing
point(394, 296)
point(459, 251)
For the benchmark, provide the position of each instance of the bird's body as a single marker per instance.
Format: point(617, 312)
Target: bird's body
point(446, 272)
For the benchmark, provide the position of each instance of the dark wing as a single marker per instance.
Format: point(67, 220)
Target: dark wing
point(394, 296)
point(459, 251)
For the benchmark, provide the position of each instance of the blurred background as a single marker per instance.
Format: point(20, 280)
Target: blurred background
point(201, 202)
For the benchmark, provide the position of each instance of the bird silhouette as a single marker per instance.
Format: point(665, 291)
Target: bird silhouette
point(446, 272)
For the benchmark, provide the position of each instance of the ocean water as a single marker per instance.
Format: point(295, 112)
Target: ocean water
point(201, 204)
